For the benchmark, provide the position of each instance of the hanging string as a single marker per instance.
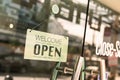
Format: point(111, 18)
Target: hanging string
point(38, 25)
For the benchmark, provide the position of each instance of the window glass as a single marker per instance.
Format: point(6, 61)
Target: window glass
point(95, 37)
point(59, 17)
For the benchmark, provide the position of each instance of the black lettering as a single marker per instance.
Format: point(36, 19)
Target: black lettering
point(53, 40)
point(37, 37)
point(51, 50)
point(48, 39)
point(58, 52)
point(44, 48)
point(37, 49)
point(43, 39)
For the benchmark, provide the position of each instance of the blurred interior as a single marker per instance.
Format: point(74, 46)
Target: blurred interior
point(61, 17)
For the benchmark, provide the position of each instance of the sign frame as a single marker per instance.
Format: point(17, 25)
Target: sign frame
point(45, 46)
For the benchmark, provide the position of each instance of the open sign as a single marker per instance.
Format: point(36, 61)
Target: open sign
point(45, 46)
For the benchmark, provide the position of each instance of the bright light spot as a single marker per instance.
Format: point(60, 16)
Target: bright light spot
point(55, 9)
point(81, 1)
point(94, 26)
point(11, 25)
point(42, 1)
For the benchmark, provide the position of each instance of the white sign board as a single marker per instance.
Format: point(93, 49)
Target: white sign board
point(45, 46)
